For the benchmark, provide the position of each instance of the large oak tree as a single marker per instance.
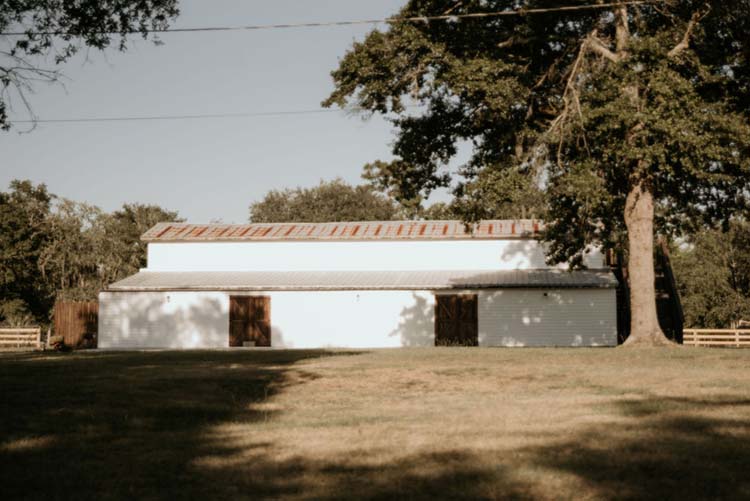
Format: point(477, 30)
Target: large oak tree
point(633, 117)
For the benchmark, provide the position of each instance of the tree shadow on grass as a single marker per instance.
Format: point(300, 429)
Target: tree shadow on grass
point(675, 448)
point(666, 448)
point(440, 475)
point(138, 425)
point(112, 425)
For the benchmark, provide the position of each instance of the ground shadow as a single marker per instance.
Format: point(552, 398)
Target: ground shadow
point(674, 448)
point(116, 424)
point(136, 425)
point(667, 451)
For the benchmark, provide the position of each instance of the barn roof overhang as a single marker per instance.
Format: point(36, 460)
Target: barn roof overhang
point(362, 280)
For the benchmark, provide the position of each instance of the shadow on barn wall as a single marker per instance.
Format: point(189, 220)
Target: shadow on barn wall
point(164, 320)
point(141, 425)
point(531, 254)
point(416, 326)
point(532, 317)
point(277, 338)
point(522, 254)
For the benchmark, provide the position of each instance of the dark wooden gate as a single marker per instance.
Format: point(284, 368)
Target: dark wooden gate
point(249, 320)
point(456, 320)
point(77, 322)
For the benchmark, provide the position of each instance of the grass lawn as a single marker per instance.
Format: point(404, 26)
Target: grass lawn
point(412, 423)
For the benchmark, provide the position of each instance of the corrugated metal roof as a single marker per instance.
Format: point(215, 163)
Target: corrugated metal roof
point(363, 280)
point(367, 230)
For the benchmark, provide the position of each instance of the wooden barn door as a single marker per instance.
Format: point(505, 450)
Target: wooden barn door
point(456, 320)
point(249, 320)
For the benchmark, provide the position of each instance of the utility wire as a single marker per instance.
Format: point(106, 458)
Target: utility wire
point(187, 117)
point(391, 20)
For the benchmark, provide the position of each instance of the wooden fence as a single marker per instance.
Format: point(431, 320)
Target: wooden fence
point(731, 338)
point(21, 338)
point(77, 323)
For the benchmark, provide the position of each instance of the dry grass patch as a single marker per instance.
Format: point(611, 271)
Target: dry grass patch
point(417, 423)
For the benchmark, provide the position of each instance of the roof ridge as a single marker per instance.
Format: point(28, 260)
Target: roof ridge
point(443, 229)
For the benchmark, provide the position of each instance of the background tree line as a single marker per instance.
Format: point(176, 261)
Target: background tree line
point(52, 248)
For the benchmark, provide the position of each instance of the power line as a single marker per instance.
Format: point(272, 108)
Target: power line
point(186, 117)
point(391, 20)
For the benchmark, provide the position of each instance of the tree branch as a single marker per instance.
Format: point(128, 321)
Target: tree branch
point(622, 30)
point(513, 41)
point(685, 42)
point(596, 45)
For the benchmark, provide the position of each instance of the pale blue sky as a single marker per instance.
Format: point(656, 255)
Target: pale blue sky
point(211, 168)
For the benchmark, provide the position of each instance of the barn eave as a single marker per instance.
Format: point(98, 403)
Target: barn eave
point(363, 280)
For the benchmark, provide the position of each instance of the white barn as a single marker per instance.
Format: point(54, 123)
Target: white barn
point(359, 285)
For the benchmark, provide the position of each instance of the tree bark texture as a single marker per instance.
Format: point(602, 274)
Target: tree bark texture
point(639, 219)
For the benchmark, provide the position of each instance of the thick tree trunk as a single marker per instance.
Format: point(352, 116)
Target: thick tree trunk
point(639, 219)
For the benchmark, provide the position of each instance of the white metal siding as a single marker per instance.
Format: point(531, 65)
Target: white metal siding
point(566, 317)
point(349, 319)
point(163, 320)
point(358, 319)
point(351, 256)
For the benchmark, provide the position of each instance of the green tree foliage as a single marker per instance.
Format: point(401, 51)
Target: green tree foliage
point(24, 211)
point(497, 193)
point(713, 276)
point(72, 261)
point(328, 201)
point(635, 117)
point(54, 30)
point(123, 229)
point(494, 193)
point(57, 249)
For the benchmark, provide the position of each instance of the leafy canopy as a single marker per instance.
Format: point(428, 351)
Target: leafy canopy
point(24, 210)
point(53, 248)
point(328, 201)
point(552, 96)
point(713, 276)
point(57, 29)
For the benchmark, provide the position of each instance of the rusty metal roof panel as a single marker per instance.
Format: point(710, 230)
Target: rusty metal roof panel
point(364, 280)
point(365, 230)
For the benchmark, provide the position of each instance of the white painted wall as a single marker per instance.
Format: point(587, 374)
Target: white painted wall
point(355, 319)
point(358, 319)
point(351, 256)
point(526, 317)
point(163, 320)
point(351, 319)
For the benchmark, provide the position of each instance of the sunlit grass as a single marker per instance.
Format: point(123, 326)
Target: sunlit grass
point(421, 423)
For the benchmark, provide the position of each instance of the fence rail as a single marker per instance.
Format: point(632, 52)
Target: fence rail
point(21, 338)
point(731, 338)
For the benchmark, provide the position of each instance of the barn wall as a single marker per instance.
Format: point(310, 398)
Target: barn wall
point(356, 319)
point(163, 320)
point(351, 256)
point(569, 317)
point(352, 319)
